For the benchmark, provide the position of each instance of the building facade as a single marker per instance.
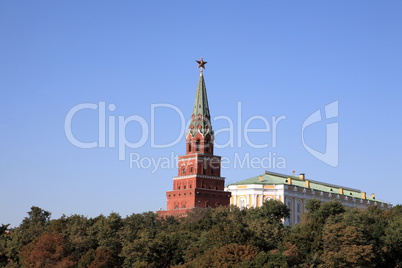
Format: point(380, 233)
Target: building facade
point(294, 191)
point(198, 183)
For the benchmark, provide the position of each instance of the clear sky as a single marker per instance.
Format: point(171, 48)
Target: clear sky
point(273, 59)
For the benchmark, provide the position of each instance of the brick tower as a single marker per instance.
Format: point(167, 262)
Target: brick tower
point(198, 182)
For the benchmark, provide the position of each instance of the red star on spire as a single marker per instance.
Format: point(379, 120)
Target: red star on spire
point(201, 63)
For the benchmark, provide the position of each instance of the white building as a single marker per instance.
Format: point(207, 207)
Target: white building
point(294, 191)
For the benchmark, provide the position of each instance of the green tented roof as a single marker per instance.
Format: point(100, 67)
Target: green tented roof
point(201, 118)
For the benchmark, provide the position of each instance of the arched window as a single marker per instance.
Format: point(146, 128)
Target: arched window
point(206, 145)
point(242, 202)
point(289, 204)
point(197, 145)
point(299, 210)
point(189, 146)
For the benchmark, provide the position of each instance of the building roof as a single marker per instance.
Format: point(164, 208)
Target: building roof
point(201, 118)
point(273, 178)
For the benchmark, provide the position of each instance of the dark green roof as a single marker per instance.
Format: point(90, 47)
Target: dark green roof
point(272, 178)
point(201, 118)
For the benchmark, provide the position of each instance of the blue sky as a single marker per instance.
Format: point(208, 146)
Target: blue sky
point(277, 58)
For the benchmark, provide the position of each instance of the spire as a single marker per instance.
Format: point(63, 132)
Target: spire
point(201, 118)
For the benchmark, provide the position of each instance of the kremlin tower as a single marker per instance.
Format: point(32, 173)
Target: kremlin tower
point(198, 183)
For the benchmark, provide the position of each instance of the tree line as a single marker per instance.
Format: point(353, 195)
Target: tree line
point(329, 235)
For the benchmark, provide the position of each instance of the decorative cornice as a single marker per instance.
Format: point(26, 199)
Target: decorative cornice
point(198, 176)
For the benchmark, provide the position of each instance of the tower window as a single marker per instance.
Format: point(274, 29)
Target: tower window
point(183, 171)
point(197, 144)
point(191, 169)
point(207, 146)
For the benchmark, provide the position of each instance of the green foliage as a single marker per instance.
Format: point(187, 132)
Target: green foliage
point(272, 211)
point(345, 246)
point(31, 228)
point(328, 236)
point(393, 240)
point(308, 235)
point(3, 244)
point(226, 256)
point(270, 260)
point(77, 229)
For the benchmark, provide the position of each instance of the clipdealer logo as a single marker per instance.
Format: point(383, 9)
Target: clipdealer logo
point(331, 154)
point(238, 135)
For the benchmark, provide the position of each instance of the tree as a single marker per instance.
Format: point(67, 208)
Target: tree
point(393, 241)
point(307, 235)
point(265, 235)
point(371, 223)
point(37, 216)
point(270, 260)
point(320, 212)
point(3, 244)
point(31, 228)
point(104, 258)
point(49, 251)
point(76, 228)
point(272, 211)
point(344, 246)
point(225, 256)
point(162, 250)
point(105, 230)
